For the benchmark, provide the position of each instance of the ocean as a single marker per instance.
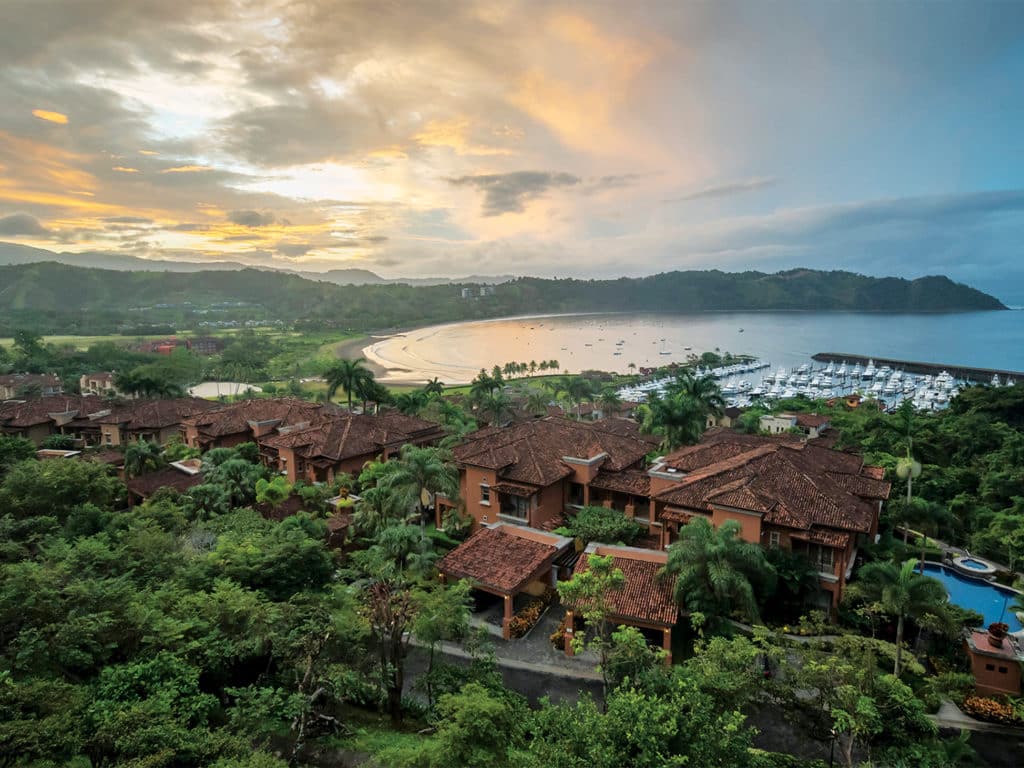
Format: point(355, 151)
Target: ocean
point(455, 352)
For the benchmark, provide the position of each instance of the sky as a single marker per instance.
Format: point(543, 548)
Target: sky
point(559, 138)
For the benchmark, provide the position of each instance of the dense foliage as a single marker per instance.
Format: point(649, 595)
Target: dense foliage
point(51, 295)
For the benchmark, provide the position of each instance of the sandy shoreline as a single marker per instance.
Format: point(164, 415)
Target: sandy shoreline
point(353, 348)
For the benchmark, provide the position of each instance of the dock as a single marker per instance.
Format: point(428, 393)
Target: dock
point(981, 375)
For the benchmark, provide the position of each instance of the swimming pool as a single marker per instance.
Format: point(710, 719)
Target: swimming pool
point(987, 599)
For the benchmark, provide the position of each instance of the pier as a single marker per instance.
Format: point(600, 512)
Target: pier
point(983, 375)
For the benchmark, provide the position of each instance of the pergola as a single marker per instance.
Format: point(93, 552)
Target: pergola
point(504, 560)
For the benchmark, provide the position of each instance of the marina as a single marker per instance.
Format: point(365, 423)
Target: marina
point(746, 382)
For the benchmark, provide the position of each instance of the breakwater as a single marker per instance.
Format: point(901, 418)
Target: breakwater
point(981, 375)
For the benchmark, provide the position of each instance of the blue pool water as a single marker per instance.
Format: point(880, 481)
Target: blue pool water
point(974, 564)
point(987, 599)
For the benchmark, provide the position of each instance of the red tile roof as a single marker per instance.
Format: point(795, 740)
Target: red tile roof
point(342, 435)
point(41, 410)
point(646, 596)
point(811, 420)
point(796, 485)
point(168, 477)
point(632, 481)
point(533, 452)
point(156, 414)
point(235, 418)
point(498, 559)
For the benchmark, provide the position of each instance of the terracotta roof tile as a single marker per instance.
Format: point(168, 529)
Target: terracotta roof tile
point(645, 596)
point(633, 481)
point(168, 477)
point(343, 435)
point(533, 452)
point(797, 485)
point(157, 414)
point(499, 560)
point(41, 410)
point(234, 418)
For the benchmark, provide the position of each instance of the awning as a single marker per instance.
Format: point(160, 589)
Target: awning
point(512, 489)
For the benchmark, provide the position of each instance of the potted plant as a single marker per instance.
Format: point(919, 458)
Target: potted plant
point(997, 632)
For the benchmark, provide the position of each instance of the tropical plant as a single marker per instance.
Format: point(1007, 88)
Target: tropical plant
point(611, 402)
point(678, 418)
point(141, 456)
point(716, 572)
point(434, 387)
point(346, 375)
point(495, 407)
point(901, 592)
point(703, 390)
point(411, 403)
point(420, 470)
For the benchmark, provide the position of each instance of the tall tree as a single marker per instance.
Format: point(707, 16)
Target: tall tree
point(346, 374)
point(591, 594)
point(141, 456)
point(703, 390)
point(901, 592)
point(717, 571)
point(680, 419)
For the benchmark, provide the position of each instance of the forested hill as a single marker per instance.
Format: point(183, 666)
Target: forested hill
point(57, 290)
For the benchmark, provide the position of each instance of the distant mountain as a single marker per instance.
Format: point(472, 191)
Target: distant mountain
point(80, 300)
point(13, 253)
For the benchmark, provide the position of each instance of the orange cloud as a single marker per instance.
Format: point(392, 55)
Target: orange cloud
point(50, 117)
point(186, 169)
point(125, 169)
point(454, 134)
point(148, 152)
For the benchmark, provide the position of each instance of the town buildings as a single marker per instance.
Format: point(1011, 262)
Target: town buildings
point(25, 385)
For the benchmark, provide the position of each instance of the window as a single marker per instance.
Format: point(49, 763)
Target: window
point(773, 539)
point(515, 507)
point(108, 438)
point(990, 667)
point(1002, 670)
point(576, 494)
point(485, 494)
point(826, 560)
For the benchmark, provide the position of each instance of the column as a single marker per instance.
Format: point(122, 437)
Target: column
point(666, 643)
point(567, 642)
point(506, 630)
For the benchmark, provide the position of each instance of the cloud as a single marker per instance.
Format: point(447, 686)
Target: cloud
point(727, 190)
point(51, 117)
point(293, 250)
point(185, 168)
point(251, 218)
point(127, 220)
point(510, 192)
point(21, 224)
point(125, 169)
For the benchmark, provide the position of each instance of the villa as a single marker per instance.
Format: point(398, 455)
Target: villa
point(16, 385)
point(783, 491)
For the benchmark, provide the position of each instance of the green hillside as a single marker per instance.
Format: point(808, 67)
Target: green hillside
point(63, 298)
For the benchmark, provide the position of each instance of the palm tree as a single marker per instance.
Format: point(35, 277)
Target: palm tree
point(716, 570)
point(578, 390)
point(900, 592)
point(411, 403)
point(610, 402)
point(434, 387)
point(482, 386)
point(679, 418)
point(422, 469)
point(141, 456)
point(346, 374)
point(495, 407)
point(537, 401)
point(703, 390)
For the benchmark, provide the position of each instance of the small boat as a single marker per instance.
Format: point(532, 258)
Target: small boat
point(741, 330)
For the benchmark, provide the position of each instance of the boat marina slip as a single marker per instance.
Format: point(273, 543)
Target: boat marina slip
point(744, 382)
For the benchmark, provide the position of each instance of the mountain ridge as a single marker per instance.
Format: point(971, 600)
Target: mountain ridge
point(12, 254)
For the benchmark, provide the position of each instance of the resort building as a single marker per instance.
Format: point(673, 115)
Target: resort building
point(155, 421)
point(796, 495)
point(100, 384)
point(783, 491)
point(342, 442)
point(37, 418)
point(533, 472)
point(248, 420)
point(809, 424)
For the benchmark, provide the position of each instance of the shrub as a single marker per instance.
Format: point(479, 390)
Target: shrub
point(608, 526)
